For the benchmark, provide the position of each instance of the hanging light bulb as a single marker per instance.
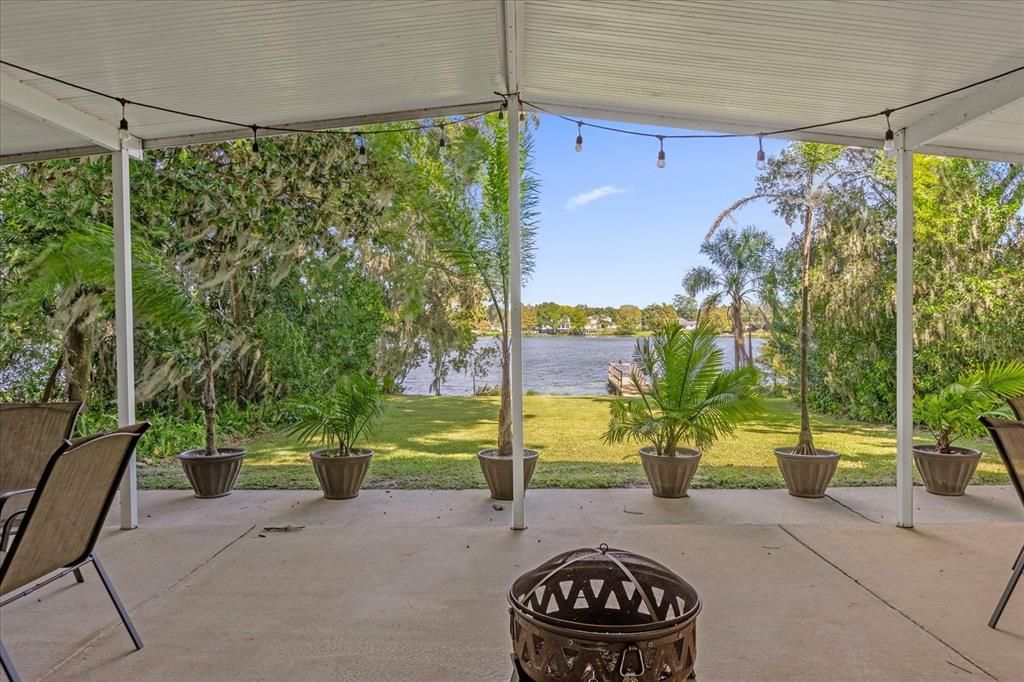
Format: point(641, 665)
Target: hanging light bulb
point(661, 151)
point(361, 155)
point(443, 141)
point(890, 141)
point(761, 162)
point(522, 116)
point(122, 128)
point(255, 141)
point(579, 136)
point(501, 111)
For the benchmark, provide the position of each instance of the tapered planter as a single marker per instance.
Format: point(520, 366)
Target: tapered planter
point(670, 476)
point(341, 477)
point(946, 473)
point(212, 476)
point(498, 471)
point(807, 475)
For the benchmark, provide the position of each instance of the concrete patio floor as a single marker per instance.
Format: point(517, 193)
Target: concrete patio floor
point(410, 585)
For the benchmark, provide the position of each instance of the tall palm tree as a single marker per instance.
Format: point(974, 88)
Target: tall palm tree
point(797, 183)
point(477, 237)
point(739, 261)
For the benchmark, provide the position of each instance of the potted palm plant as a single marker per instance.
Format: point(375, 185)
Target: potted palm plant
point(951, 414)
point(476, 239)
point(686, 399)
point(211, 471)
point(798, 182)
point(340, 418)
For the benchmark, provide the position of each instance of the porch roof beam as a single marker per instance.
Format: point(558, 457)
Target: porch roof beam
point(979, 102)
point(511, 42)
point(38, 105)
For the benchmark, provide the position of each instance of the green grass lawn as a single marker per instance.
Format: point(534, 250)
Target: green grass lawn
point(426, 442)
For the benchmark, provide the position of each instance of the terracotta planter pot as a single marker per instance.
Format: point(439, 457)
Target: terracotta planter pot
point(498, 471)
point(212, 476)
point(670, 476)
point(807, 475)
point(946, 473)
point(341, 477)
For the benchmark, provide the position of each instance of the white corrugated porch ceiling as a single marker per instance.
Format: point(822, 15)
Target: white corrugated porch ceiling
point(714, 65)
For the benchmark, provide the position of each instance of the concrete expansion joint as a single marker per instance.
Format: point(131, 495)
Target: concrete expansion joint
point(117, 626)
point(849, 508)
point(890, 605)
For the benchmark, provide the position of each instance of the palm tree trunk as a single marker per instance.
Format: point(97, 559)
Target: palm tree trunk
point(51, 381)
point(209, 399)
point(78, 360)
point(505, 412)
point(739, 347)
point(750, 345)
point(435, 370)
point(236, 377)
point(805, 443)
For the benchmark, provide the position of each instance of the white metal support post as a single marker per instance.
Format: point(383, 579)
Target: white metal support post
point(904, 331)
point(515, 284)
point(124, 326)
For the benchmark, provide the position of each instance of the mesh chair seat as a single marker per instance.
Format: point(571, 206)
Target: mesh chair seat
point(29, 435)
point(1008, 436)
point(64, 519)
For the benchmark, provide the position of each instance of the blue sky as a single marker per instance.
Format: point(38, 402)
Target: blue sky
point(615, 228)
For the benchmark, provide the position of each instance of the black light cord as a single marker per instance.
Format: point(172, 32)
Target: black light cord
point(781, 131)
point(253, 127)
point(500, 106)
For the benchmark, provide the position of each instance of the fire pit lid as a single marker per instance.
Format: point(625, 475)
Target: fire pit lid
point(604, 590)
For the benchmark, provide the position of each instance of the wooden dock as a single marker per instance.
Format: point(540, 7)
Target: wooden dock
point(620, 379)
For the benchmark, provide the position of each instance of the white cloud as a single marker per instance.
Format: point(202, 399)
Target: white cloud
point(593, 195)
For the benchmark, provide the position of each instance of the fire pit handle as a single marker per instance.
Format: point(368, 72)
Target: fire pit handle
point(632, 674)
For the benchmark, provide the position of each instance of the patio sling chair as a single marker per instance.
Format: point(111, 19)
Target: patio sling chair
point(1008, 435)
point(64, 519)
point(29, 435)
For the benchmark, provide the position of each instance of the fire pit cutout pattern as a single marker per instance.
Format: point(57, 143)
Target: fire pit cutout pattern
point(603, 615)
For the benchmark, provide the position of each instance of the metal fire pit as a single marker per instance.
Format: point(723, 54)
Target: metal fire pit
point(603, 615)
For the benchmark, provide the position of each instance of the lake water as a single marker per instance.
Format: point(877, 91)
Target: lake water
point(567, 365)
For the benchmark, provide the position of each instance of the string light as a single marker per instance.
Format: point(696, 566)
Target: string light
point(122, 128)
point(579, 136)
point(255, 141)
point(443, 142)
point(889, 145)
point(890, 142)
point(761, 162)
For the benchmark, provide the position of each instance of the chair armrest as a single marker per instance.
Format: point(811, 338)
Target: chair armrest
point(8, 494)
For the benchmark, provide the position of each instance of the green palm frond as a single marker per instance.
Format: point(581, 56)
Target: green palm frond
point(85, 258)
point(700, 279)
point(952, 412)
point(686, 397)
point(339, 418)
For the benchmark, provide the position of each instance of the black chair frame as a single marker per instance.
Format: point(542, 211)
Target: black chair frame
point(87, 557)
point(1018, 566)
point(7, 532)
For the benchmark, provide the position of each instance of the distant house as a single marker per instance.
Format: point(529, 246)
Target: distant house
point(599, 323)
point(687, 324)
point(564, 326)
